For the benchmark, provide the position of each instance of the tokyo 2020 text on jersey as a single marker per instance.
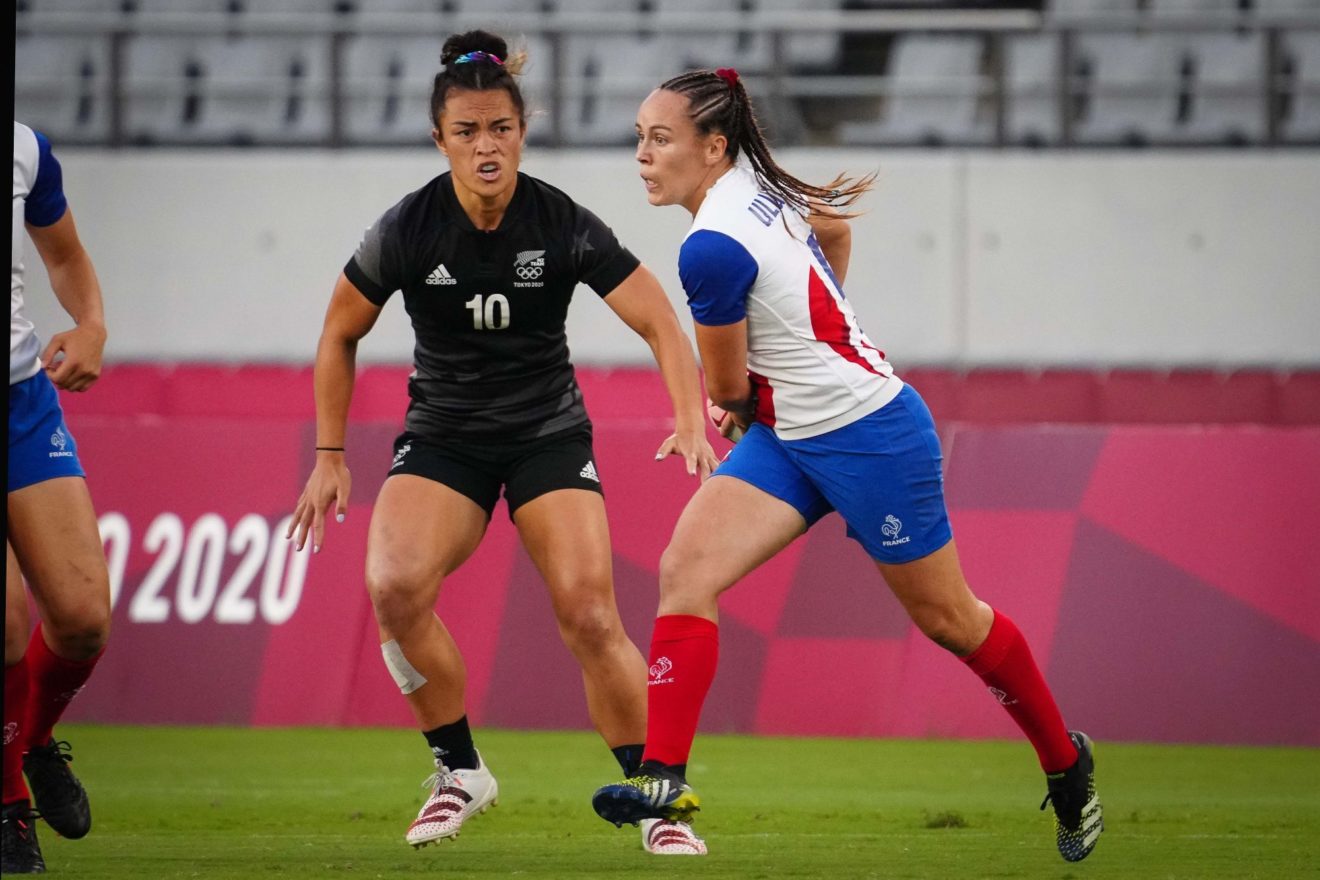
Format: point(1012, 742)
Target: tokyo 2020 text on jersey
point(39, 201)
point(745, 257)
point(488, 308)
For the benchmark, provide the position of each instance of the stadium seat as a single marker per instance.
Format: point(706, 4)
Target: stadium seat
point(26, 8)
point(606, 76)
point(1188, 396)
point(1277, 11)
point(996, 396)
point(1299, 397)
point(1228, 83)
point(1032, 114)
point(62, 86)
point(1301, 122)
point(708, 47)
point(1083, 9)
point(1196, 10)
point(452, 14)
point(808, 50)
point(935, 88)
point(380, 394)
point(240, 391)
point(286, 7)
point(162, 88)
point(1134, 94)
point(387, 88)
point(271, 89)
point(181, 8)
point(124, 390)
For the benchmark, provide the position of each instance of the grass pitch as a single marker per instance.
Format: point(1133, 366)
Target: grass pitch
point(224, 803)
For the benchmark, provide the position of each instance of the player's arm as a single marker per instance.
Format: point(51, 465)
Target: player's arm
point(640, 302)
point(72, 358)
point(724, 358)
point(349, 317)
point(835, 236)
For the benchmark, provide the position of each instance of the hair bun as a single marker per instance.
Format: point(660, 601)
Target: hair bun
point(473, 41)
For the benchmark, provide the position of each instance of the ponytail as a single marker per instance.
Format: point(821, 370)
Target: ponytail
point(719, 102)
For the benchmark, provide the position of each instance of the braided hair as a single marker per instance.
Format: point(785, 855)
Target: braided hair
point(478, 61)
point(718, 103)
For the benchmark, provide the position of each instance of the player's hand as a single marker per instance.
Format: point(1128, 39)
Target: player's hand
point(328, 485)
point(725, 422)
point(693, 446)
point(73, 358)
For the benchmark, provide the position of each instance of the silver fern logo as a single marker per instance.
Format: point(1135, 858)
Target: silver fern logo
point(401, 454)
point(529, 265)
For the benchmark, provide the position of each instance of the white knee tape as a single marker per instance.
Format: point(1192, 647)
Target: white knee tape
point(405, 675)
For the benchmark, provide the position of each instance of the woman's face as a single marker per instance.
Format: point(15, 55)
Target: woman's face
point(677, 163)
point(482, 135)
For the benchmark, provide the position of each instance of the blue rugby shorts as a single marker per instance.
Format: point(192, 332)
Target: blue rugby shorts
point(882, 473)
point(40, 445)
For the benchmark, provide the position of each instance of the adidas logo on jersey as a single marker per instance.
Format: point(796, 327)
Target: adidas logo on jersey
point(440, 275)
point(589, 472)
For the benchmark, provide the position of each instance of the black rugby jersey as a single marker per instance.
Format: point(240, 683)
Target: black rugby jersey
point(488, 308)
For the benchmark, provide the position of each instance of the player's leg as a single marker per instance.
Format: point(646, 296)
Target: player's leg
point(567, 537)
point(889, 488)
point(755, 505)
point(937, 597)
point(422, 530)
point(555, 499)
point(52, 528)
point(19, 851)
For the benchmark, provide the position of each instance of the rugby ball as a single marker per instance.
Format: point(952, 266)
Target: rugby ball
point(718, 415)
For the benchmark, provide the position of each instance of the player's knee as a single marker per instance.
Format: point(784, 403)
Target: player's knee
point(680, 570)
point(945, 626)
point(79, 632)
point(15, 646)
point(396, 599)
point(686, 584)
point(79, 639)
point(589, 627)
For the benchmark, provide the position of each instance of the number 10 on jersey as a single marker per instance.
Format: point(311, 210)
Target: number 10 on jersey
point(490, 312)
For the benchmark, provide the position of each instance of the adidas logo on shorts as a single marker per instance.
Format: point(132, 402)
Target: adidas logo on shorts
point(589, 472)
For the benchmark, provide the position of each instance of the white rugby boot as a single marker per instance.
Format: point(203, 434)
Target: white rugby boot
point(456, 796)
point(669, 837)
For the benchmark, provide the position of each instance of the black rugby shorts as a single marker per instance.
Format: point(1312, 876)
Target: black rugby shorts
point(524, 470)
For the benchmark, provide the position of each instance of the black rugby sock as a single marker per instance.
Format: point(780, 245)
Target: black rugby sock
point(452, 744)
point(629, 757)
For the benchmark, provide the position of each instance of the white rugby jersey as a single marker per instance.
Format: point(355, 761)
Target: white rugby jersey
point(813, 367)
point(38, 200)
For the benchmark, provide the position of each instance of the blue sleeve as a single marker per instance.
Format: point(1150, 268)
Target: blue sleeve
point(46, 203)
point(717, 272)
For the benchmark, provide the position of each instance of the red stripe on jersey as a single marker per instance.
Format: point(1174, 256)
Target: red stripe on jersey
point(830, 327)
point(765, 399)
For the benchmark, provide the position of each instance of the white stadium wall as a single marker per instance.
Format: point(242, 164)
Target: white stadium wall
point(965, 258)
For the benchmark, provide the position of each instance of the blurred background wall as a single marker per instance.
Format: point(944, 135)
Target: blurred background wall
point(1209, 259)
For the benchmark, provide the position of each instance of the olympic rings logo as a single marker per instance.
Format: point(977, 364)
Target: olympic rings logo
point(527, 273)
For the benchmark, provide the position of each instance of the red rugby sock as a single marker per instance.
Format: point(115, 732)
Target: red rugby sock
point(684, 652)
point(54, 682)
point(16, 690)
point(1005, 664)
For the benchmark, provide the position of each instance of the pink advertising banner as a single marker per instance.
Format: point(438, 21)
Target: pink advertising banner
point(1168, 578)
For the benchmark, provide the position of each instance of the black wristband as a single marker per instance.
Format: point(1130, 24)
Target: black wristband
point(329, 449)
